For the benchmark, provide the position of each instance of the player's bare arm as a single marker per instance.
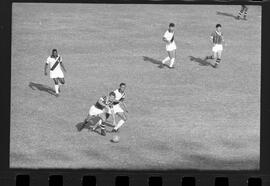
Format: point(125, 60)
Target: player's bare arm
point(63, 67)
point(45, 69)
point(164, 39)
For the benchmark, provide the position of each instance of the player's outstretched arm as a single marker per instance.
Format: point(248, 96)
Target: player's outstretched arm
point(63, 67)
point(45, 69)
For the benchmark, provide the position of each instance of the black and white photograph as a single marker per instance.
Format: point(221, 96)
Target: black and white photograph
point(135, 86)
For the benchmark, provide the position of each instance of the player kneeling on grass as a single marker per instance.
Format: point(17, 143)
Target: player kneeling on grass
point(102, 107)
point(119, 107)
point(56, 73)
point(216, 39)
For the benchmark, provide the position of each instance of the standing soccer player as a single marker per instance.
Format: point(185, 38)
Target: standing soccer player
point(102, 107)
point(244, 10)
point(119, 107)
point(56, 73)
point(216, 39)
point(168, 38)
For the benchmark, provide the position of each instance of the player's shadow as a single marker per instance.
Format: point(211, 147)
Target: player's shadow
point(201, 62)
point(80, 126)
point(154, 61)
point(42, 87)
point(226, 14)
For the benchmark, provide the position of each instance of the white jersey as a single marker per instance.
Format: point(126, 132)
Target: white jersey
point(169, 36)
point(119, 96)
point(57, 71)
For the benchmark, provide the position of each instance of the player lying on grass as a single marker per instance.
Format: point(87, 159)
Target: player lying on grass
point(102, 107)
point(168, 38)
point(56, 73)
point(119, 107)
point(217, 39)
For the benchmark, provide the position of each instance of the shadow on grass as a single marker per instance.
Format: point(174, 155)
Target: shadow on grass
point(80, 126)
point(155, 61)
point(42, 87)
point(226, 14)
point(201, 62)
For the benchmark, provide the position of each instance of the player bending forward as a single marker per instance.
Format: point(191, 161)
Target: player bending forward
point(56, 73)
point(168, 38)
point(216, 39)
point(102, 107)
point(119, 107)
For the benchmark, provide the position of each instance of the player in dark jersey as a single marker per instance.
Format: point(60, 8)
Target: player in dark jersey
point(217, 39)
point(102, 107)
point(244, 10)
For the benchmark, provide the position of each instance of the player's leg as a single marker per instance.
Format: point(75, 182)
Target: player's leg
point(166, 59)
point(123, 119)
point(56, 86)
point(172, 56)
point(245, 13)
point(218, 58)
point(240, 12)
point(121, 114)
point(61, 82)
point(101, 124)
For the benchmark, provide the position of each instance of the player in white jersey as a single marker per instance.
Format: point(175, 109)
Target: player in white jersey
point(56, 65)
point(168, 38)
point(119, 107)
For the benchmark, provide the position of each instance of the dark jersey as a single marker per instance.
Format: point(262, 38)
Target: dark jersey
point(105, 100)
point(217, 37)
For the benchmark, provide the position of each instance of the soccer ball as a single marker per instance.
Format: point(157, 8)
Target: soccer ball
point(115, 139)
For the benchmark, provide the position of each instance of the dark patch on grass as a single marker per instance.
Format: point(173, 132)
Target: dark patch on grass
point(155, 61)
point(201, 62)
point(42, 87)
point(213, 163)
point(226, 14)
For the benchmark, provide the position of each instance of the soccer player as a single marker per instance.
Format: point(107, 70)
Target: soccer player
point(216, 39)
point(244, 10)
point(119, 107)
point(56, 73)
point(102, 107)
point(168, 38)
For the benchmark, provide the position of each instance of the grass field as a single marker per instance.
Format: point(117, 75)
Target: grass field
point(190, 117)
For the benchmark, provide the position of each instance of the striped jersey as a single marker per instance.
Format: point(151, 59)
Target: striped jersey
point(51, 61)
point(169, 36)
point(105, 100)
point(217, 37)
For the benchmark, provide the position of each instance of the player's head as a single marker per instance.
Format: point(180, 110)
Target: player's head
point(122, 87)
point(218, 27)
point(54, 52)
point(171, 27)
point(112, 96)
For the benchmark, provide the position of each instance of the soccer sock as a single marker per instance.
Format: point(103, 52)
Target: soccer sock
point(166, 59)
point(119, 124)
point(97, 124)
point(240, 13)
point(245, 14)
point(218, 60)
point(56, 89)
point(172, 62)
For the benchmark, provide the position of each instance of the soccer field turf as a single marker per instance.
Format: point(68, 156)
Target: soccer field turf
point(190, 117)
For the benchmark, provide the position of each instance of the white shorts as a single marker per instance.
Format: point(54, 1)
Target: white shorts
point(217, 48)
point(171, 46)
point(94, 111)
point(56, 74)
point(117, 108)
